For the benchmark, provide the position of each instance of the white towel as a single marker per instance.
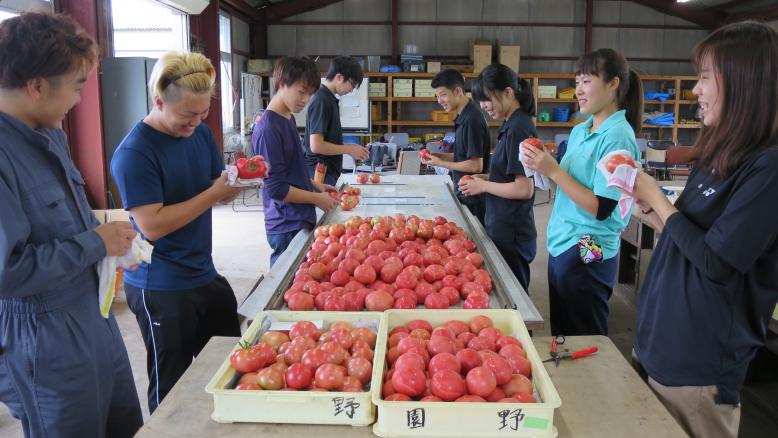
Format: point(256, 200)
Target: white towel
point(140, 251)
point(234, 181)
point(623, 177)
point(541, 181)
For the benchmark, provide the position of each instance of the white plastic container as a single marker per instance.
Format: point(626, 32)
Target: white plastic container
point(304, 407)
point(416, 419)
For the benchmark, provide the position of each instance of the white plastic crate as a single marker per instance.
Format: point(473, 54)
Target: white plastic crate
point(304, 407)
point(416, 419)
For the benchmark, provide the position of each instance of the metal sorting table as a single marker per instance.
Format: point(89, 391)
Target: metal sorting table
point(423, 196)
point(602, 396)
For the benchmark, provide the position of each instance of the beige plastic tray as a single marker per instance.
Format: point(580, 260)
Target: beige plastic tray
point(413, 418)
point(305, 407)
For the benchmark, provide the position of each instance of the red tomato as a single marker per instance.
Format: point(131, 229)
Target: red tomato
point(480, 381)
point(419, 324)
point(466, 178)
point(364, 334)
point(436, 301)
point(304, 328)
point(423, 290)
point(379, 301)
point(476, 301)
point(440, 344)
point(254, 167)
point(365, 274)
point(434, 273)
point(524, 398)
point(397, 397)
point(468, 359)
point(362, 178)
point(329, 376)
point(465, 337)
point(246, 359)
point(500, 367)
point(444, 361)
point(440, 232)
point(420, 333)
point(412, 360)
point(409, 381)
point(480, 322)
point(360, 368)
point(375, 178)
point(479, 343)
point(270, 379)
point(409, 342)
point(298, 376)
point(520, 364)
point(447, 384)
point(504, 340)
point(492, 333)
point(451, 294)
point(511, 350)
point(497, 394)
point(300, 301)
point(406, 280)
point(470, 399)
point(616, 160)
point(534, 142)
point(517, 383)
point(430, 398)
point(475, 259)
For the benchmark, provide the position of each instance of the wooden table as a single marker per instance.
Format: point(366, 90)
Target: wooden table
point(601, 396)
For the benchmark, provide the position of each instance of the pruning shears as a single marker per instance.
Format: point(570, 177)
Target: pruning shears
point(556, 357)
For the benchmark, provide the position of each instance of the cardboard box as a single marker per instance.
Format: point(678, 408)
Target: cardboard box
point(481, 54)
point(547, 91)
point(403, 82)
point(424, 93)
point(403, 93)
point(510, 55)
point(443, 116)
point(259, 65)
point(375, 112)
point(433, 66)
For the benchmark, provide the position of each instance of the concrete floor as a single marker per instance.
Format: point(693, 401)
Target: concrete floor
point(241, 254)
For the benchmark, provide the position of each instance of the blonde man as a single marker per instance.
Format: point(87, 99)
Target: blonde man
point(168, 170)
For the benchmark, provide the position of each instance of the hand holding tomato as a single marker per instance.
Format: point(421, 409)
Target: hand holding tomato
point(472, 186)
point(324, 201)
point(537, 159)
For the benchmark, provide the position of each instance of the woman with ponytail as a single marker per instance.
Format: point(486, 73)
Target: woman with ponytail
point(584, 212)
point(509, 193)
point(712, 284)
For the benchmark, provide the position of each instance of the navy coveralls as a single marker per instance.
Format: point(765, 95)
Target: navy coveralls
point(64, 371)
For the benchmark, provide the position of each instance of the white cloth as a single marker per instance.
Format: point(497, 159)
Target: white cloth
point(234, 181)
point(623, 177)
point(541, 181)
point(140, 251)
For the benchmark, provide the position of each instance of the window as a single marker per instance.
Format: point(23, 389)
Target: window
point(226, 91)
point(147, 28)
point(4, 15)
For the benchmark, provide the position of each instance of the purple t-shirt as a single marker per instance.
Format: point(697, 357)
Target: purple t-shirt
point(276, 139)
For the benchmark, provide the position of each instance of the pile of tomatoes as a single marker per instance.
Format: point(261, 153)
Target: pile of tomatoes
point(348, 199)
point(308, 359)
point(400, 262)
point(363, 178)
point(457, 361)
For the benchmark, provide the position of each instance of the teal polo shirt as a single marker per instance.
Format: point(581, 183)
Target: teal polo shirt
point(568, 221)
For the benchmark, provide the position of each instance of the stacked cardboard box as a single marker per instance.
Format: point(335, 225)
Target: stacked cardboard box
point(402, 88)
point(510, 55)
point(377, 89)
point(423, 88)
point(480, 54)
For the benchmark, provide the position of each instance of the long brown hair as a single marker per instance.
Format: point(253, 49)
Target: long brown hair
point(607, 64)
point(745, 62)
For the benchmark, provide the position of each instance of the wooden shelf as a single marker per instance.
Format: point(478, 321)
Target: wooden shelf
point(415, 99)
point(547, 100)
point(555, 124)
point(689, 126)
point(379, 99)
point(659, 102)
point(648, 126)
point(687, 102)
point(380, 122)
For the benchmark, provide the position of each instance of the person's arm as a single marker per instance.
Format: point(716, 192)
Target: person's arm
point(157, 220)
point(746, 229)
point(520, 188)
point(322, 147)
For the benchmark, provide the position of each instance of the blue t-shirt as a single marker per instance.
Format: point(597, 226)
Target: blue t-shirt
point(568, 221)
point(275, 138)
point(151, 167)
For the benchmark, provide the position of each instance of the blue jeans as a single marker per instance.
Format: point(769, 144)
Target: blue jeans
point(578, 294)
point(518, 255)
point(279, 243)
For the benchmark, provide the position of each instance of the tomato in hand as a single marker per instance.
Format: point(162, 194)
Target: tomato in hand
point(618, 159)
point(254, 167)
point(534, 142)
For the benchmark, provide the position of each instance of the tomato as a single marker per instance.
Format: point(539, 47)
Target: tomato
point(444, 361)
point(430, 398)
point(517, 383)
point(395, 338)
point(423, 290)
point(375, 178)
point(470, 399)
point(410, 360)
point(248, 378)
point(298, 376)
point(360, 368)
point(348, 202)
point(480, 381)
point(304, 328)
point(500, 367)
point(440, 344)
point(406, 280)
point(365, 334)
point(340, 277)
point(520, 364)
point(534, 142)
point(365, 274)
point(492, 333)
point(419, 324)
point(409, 342)
point(476, 301)
point(254, 167)
point(334, 195)
point(392, 354)
point(300, 301)
point(456, 326)
point(294, 354)
point(270, 379)
point(246, 359)
point(342, 337)
point(451, 294)
point(248, 386)
point(466, 178)
point(436, 301)
point(266, 352)
point(329, 376)
point(400, 293)
point(362, 178)
point(434, 273)
point(440, 232)
point(524, 398)
point(475, 259)
point(424, 154)
point(510, 350)
point(447, 385)
point(440, 220)
point(480, 322)
point(397, 397)
point(443, 331)
point(409, 381)
point(379, 301)
point(479, 343)
point(497, 394)
point(465, 337)
point(313, 359)
point(305, 341)
point(617, 160)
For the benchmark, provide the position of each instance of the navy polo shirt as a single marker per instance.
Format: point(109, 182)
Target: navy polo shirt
point(323, 117)
point(471, 139)
point(151, 167)
point(510, 220)
point(275, 138)
point(712, 284)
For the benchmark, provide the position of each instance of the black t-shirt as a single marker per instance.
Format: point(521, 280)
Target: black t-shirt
point(510, 220)
point(323, 117)
point(712, 284)
point(471, 140)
